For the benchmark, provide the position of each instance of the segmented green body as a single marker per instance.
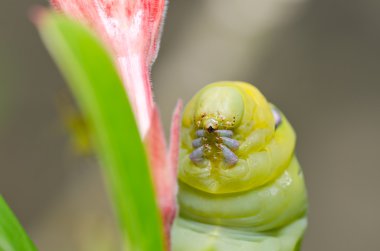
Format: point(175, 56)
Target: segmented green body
point(240, 184)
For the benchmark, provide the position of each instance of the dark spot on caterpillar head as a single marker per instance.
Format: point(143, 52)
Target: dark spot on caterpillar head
point(277, 117)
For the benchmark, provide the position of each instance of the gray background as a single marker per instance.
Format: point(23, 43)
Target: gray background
point(317, 60)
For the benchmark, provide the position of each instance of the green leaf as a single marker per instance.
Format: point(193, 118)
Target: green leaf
point(98, 89)
point(12, 235)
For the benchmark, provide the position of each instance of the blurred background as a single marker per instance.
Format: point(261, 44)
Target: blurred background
point(319, 61)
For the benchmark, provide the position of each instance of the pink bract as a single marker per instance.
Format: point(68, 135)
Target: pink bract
point(164, 165)
point(131, 29)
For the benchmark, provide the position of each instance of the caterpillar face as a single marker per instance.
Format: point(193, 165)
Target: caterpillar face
point(232, 139)
point(219, 112)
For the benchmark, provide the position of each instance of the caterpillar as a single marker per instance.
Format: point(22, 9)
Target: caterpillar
point(240, 185)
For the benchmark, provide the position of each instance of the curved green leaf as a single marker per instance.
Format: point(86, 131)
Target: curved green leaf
point(98, 89)
point(12, 235)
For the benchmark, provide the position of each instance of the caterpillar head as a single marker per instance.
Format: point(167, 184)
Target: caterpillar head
point(229, 139)
point(219, 108)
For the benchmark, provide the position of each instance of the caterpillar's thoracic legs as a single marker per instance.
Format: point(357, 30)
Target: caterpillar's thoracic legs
point(197, 142)
point(220, 141)
point(230, 143)
point(200, 133)
point(197, 155)
point(224, 133)
point(229, 157)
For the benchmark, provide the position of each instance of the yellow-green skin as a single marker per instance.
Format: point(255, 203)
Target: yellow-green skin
point(259, 203)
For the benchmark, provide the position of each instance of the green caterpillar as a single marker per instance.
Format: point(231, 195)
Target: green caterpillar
point(240, 185)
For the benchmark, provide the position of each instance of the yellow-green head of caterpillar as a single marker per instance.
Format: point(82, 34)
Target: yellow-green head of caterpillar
point(233, 140)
